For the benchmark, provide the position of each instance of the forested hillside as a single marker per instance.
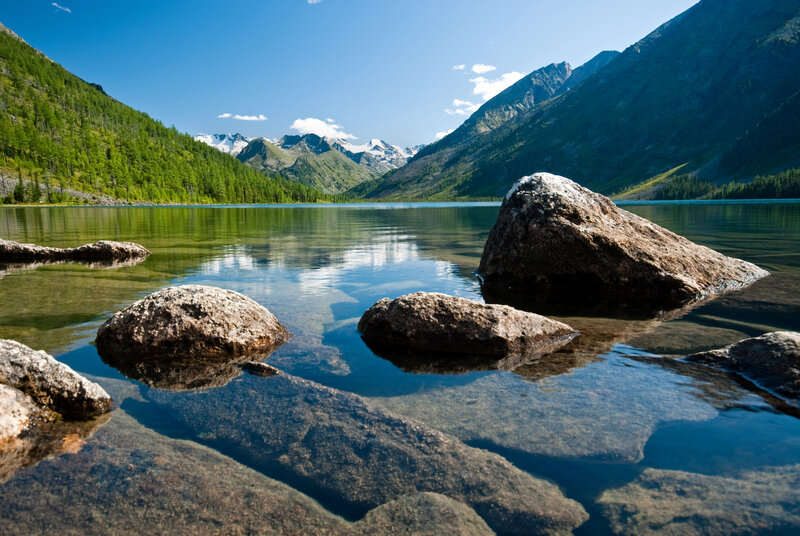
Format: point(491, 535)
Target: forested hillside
point(58, 130)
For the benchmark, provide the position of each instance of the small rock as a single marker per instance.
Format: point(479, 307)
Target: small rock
point(422, 514)
point(103, 250)
point(772, 360)
point(564, 248)
point(438, 322)
point(49, 383)
point(259, 369)
point(191, 320)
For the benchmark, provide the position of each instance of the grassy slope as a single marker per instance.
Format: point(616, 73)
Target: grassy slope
point(59, 130)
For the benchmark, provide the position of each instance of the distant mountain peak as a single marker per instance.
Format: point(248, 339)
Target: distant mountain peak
point(231, 144)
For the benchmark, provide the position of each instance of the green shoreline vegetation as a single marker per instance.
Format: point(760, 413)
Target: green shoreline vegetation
point(61, 132)
point(784, 185)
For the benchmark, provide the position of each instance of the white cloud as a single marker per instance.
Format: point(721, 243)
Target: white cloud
point(259, 117)
point(313, 1)
point(62, 8)
point(440, 135)
point(329, 128)
point(462, 107)
point(459, 67)
point(487, 88)
point(480, 68)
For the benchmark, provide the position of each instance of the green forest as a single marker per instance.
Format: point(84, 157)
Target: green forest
point(59, 131)
point(784, 185)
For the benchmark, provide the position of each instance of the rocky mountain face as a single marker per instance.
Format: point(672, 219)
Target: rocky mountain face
point(714, 91)
point(231, 144)
point(329, 164)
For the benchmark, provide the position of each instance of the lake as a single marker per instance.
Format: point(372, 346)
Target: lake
point(642, 441)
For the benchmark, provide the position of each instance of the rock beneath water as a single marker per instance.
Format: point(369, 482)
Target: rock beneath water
point(771, 360)
point(563, 248)
point(184, 488)
point(676, 502)
point(104, 250)
point(604, 412)
point(156, 484)
point(434, 322)
point(49, 383)
point(16, 411)
point(422, 514)
point(354, 455)
point(43, 441)
point(191, 320)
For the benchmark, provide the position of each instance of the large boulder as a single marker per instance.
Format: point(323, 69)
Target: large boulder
point(50, 384)
point(429, 321)
point(102, 251)
point(562, 248)
point(191, 320)
point(771, 360)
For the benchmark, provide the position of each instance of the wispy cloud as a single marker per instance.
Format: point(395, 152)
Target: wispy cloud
point(459, 67)
point(480, 68)
point(440, 135)
point(313, 1)
point(62, 8)
point(259, 117)
point(327, 128)
point(488, 88)
point(461, 107)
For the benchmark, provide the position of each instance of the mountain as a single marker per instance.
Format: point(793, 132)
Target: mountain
point(62, 132)
point(713, 91)
point(527, 93)
point(328, 164)
point(231, 144)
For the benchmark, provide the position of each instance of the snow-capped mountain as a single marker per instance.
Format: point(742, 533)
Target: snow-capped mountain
point(227, 143)
point(376, 154)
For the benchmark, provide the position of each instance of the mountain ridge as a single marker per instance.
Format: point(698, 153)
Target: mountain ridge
point(329, 164)
point(681, 96)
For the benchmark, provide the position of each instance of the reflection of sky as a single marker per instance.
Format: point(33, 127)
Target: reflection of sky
point(234, 258)
point(369, 257)
point(391, 265)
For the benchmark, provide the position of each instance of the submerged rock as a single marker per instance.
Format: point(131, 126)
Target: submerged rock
point(354, 455)
point(180, 487)
point(104, 250)
point(564, 248)
point(50, 384)
point(422, 514)
point(659, 501)
point(772, 360)
point(190, 320)
point(430, 321)
point(130, 479)
point(43, 441)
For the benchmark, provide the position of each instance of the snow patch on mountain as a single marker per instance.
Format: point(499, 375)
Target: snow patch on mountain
point(227, 143)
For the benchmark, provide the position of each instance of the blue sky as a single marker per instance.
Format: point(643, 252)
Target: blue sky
point(371, 69)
